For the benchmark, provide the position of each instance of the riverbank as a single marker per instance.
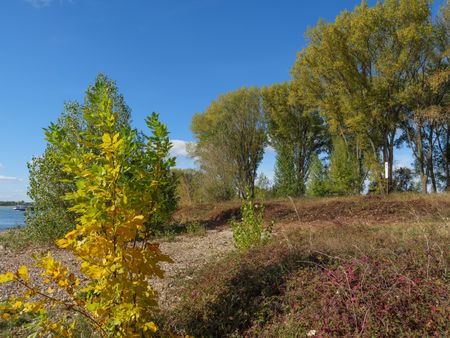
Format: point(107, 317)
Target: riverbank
point(211, 288)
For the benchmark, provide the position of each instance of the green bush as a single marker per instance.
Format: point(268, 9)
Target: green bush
point(250, 231)
point(195, 228)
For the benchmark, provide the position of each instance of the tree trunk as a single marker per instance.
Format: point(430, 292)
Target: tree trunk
point(421, 160)
point(391, 160)
point(430, 161)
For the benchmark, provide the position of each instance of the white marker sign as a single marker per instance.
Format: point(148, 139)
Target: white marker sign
point(386, 169)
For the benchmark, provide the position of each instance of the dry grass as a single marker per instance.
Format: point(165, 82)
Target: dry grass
point(380, 270)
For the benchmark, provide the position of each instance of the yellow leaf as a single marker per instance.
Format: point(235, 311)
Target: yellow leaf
point(150, 326)
point(23, 273)
point(7, 277)
point(106, 138)
point(62, 243)
point(71, 235)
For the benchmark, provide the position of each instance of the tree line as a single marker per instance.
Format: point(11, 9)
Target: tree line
point(375, 79)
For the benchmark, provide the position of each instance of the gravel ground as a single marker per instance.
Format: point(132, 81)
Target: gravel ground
point(189, 254)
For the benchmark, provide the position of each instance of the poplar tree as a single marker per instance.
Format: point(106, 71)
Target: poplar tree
point(296, 133)
point(356, 71)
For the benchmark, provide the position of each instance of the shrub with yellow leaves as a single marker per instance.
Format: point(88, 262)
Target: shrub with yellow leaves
point(110, 239)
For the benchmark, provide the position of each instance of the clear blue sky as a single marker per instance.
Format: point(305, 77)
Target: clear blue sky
point(172, 57)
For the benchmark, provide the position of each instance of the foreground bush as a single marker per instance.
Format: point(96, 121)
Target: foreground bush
point(356, 281)
point(110, 239)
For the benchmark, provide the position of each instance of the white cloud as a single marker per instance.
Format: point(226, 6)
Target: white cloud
point(39, 3)
point(9, 179)
point(269, 149)
point(179, 148)
point(45, 3)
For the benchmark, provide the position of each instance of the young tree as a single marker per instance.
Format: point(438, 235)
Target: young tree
point(263, 187)
point(318, 182)
point(344, 178)
point(51, 218)
point(110, 240)
point(285, 178)
point(49, 183)
point(231, 136)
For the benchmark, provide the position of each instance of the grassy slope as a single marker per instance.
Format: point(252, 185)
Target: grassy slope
point(354, 266)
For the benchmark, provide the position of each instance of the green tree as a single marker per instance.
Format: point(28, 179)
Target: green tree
point(189, 186)
point(343, 178)
point(427, 99)
point(318, 182)
point(50, 217)
point(231, 136)
point(285, 178)
point(263, 188)
point(356, 71)
point(296, 133)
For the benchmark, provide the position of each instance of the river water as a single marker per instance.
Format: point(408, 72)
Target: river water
point(10, 218)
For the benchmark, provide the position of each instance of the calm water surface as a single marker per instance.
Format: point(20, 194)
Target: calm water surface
point(10, 218)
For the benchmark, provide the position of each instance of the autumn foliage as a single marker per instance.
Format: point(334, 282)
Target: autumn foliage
point(111, 240)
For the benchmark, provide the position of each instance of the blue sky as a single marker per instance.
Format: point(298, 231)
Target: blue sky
point(172, 57)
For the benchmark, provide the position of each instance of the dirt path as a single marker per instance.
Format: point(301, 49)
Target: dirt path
point(189, 254)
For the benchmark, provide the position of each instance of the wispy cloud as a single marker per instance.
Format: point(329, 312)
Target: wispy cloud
point(46, 3)
point(9, 179)
point(179, 148)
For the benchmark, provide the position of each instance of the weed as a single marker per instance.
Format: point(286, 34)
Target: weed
point(250, 230)
point(16, 238)
point(195, 228)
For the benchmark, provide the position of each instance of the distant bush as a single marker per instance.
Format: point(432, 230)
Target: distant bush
point(250, 231)
point(15, 238)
